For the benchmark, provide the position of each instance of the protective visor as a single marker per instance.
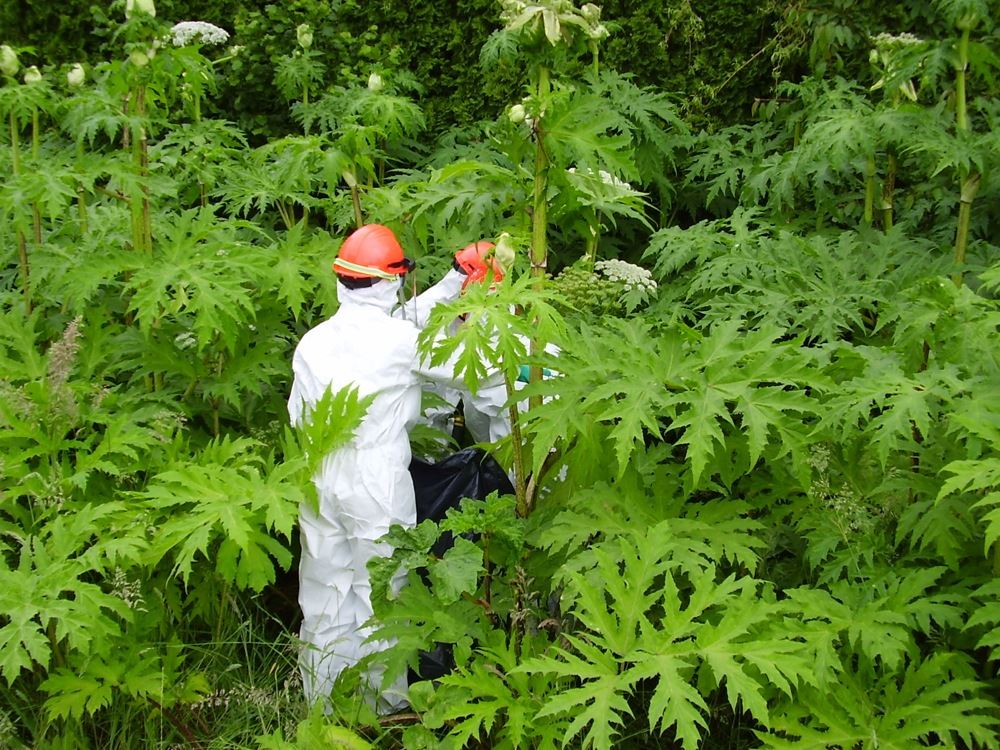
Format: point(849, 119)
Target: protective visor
point(406, 265)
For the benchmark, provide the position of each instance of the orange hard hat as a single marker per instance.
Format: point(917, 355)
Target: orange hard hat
point(477, 261)
point(372, 252)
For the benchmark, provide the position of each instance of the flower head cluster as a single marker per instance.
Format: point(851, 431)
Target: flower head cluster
point(906, 39)
point(606, 177)
point(197, 32)
point(629, 275)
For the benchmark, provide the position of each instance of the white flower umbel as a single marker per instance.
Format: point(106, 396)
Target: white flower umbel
point(630, 275)
point(197, 32)
point(32, 75)
point(906, 39)
point(606, 177)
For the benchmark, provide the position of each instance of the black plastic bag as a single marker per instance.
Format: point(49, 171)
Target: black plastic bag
point(440, 485)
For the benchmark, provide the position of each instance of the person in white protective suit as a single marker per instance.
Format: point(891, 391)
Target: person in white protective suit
point(364, 487)
point(476, 261)
point(486, 412)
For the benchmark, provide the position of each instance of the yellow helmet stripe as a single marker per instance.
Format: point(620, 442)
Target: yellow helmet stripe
point(366, 270)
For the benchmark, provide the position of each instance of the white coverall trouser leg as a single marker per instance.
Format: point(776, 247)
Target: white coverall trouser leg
point(361, 494)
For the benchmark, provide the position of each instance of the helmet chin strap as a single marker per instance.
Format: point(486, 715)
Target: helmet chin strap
point(400, 298)
point(413, 296)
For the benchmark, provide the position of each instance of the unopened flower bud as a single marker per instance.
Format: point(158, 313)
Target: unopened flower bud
point(32, 75)
point(350, 179)
point(505, 251)
point(873, 57)
point(967, 21)
point(590, 12)
point(138, 59)
point(600, 31)
point(516, 113)
point(375, 82)
point(304, 34)
point(8, 60)
point(139, 6)
point(75, 76)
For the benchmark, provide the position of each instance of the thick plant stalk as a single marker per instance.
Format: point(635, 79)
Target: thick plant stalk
point(130, 142)
point(81, 196)
point(961, 108)
point(196, 115)
point(36, 215)
point(22, 246)
point(81, 207)
point(869, 214)
point(970, 186)
point(147, 228)
point(518, 445)
point(539, 219)
point(539, 249)
point(591, 244)
point(968, 180)
point(888, 187)
point(359, 218)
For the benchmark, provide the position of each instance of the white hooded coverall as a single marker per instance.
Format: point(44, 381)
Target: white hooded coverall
point(365, 486)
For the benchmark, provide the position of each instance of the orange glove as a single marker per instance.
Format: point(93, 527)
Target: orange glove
point(476, 261)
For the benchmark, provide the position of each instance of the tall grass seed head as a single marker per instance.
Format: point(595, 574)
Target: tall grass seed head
point(9, 64)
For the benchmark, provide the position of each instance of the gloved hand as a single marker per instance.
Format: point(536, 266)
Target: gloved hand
point(504, 252)
point(476, 262)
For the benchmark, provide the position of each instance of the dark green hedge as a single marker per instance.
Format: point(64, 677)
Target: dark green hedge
point(718, 57)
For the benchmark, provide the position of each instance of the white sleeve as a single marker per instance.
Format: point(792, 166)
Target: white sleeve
point(418, 309)
point(445, 374)
point(303, 393)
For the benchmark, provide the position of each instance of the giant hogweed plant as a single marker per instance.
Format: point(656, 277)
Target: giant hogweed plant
point(818, 470)
point(112, 510)
point(136, 526)
point(843, 154)
point(641, 591)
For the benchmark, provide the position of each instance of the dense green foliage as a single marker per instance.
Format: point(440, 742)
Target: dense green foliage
point(717, 59)
point(756, 496)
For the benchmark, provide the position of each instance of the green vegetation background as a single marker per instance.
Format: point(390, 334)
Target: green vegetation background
point(717, 58)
